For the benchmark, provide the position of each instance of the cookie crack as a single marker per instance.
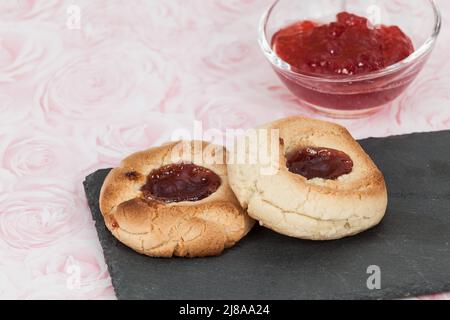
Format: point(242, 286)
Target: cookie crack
point(284, 212)
point(301, 206)
point(163, 159)
point(134, 233)
point(159, 246)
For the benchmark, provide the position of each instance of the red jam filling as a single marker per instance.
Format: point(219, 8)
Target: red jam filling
point(180, 182)
point(349, 46)
point(322, 163)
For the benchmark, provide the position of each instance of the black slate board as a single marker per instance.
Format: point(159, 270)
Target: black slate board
point(411, 246)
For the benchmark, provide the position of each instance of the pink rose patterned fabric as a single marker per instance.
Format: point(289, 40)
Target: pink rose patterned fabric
point(83, 83)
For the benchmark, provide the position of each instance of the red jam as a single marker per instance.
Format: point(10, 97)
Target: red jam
point(322, 163)
point(115, 225)
point(349, 46)
point(180, 182)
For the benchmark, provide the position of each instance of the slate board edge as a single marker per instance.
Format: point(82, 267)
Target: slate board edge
point(381, 295)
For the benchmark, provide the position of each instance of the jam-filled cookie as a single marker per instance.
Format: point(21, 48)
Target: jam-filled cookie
point(174, 200)
point(323, 186)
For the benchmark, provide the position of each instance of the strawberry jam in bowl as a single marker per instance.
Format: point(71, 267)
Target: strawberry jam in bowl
point(349, 58)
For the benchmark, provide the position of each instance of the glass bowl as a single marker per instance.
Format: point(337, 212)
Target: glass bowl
point(357, 95)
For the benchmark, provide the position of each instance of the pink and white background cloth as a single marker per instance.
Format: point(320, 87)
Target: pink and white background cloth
point(78, 95)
